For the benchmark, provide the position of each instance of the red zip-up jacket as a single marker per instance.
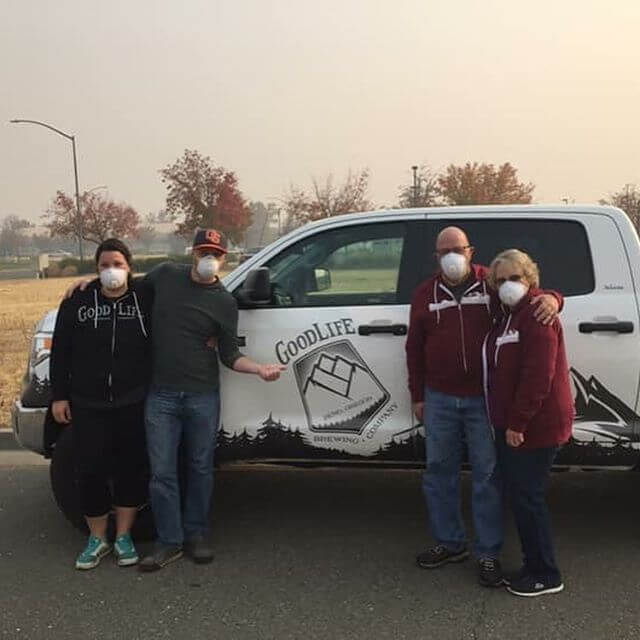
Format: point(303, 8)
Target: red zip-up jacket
point(527, 377)
point(444, 343)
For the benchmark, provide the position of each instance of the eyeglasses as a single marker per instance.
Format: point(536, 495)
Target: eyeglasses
point(516, 277)
point(459, 250)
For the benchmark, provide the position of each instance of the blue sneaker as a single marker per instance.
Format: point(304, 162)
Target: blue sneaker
point(125, 551)
point(95, 550)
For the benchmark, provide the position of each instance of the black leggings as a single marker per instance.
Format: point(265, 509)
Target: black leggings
point(111, 458)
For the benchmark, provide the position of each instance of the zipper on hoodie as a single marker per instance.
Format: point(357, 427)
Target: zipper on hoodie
point(113, 349)
point(461, 316)
point(464, 346)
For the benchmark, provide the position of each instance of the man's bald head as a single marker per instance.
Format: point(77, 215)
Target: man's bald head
point(453, 240)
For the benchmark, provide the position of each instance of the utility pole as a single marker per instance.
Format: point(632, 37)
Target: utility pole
point(414, 168)
point(72, 139)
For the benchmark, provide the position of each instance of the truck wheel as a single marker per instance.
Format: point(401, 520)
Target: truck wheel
point(64, 485)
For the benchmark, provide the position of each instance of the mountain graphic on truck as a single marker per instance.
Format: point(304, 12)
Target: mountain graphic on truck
point(600, 415)
point(339, 391)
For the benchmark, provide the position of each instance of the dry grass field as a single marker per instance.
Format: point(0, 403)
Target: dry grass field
point(22, 303)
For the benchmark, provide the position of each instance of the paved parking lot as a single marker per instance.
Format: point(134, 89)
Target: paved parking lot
point(318, 554)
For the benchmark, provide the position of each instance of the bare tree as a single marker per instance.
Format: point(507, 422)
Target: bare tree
point(326, 199)
point(12, 241)
point(424, 193)
point(627, 199)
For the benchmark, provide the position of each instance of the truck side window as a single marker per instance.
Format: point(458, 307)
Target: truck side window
point(560, 247)
point(352, 265)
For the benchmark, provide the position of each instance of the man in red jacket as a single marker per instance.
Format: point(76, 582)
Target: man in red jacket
point(450, 317)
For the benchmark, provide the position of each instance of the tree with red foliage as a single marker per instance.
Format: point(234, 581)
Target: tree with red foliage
point(476, 183)
point(201, 194)
point(101, 218)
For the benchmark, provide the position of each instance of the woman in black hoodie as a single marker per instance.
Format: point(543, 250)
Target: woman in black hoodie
point(100, 365)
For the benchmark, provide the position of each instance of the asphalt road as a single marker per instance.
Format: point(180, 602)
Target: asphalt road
point(318, 554)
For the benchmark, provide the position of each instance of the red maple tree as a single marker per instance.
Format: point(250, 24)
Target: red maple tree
point(100, 218)
point(476, 183)
point(201, 194)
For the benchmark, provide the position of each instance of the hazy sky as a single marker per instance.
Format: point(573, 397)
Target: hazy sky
point(282, 90)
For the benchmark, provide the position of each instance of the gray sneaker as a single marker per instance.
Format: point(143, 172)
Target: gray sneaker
point(490, 572)
point(199, 549)
point(161, 556)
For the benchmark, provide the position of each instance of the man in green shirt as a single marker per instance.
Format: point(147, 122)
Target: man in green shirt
point(190, 308)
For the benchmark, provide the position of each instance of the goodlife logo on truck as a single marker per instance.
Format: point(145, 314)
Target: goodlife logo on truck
point(339, 391)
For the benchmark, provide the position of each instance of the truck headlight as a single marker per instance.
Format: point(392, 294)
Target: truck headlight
point(40, 350)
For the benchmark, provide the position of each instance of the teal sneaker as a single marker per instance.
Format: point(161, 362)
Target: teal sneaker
point(95, 550)
point(125, 551)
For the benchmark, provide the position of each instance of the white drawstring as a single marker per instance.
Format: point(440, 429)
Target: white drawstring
point(135, 300)
point(95, 317)
point(486, 296)
point(498, 343)
point(485, 384)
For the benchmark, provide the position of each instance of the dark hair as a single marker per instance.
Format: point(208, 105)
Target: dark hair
point(113, 244)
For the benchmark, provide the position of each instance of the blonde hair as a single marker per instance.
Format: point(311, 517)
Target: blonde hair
point(515, 257)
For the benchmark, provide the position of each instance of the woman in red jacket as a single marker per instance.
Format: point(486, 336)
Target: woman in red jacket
point(530, 405)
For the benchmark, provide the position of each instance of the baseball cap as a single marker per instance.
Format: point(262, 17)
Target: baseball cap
point(210, 239)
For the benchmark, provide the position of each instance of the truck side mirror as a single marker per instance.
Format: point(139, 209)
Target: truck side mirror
point(323, 279)
point(256, 290)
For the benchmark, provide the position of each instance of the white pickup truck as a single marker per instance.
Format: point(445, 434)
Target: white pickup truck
point(331, 301)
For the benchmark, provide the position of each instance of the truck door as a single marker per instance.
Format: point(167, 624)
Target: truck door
point(338, 321)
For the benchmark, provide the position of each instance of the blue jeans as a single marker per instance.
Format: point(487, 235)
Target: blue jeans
point(172, 418)
point(450, 421)
point(525, 472)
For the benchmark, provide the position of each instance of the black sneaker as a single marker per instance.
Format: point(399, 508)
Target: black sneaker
point(514, 576)
point(530, 587)
point(162, 555)
point(489, 572)
point(439, 555)
point(199, 550)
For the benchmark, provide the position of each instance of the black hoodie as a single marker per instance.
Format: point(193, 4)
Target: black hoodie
point(101, 351)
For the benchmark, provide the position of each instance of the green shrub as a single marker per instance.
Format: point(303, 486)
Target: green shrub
point(53, 270)
point(143, 265)
point(84, 267)
point(69, 271)
point(140, 265)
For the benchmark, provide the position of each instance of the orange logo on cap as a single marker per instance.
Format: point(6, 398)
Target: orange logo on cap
point(213, 237)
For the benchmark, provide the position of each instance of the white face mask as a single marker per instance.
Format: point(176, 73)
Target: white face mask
point(454, 266)
point(512, 292)
point(207, 267)
point(113, 278)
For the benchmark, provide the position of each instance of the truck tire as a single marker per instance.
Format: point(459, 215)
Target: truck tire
point(64, 485)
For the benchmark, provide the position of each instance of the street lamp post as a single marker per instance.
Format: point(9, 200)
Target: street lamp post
point(75, 172)
point(414, 168)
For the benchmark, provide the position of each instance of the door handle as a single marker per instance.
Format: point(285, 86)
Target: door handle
point(370, 329)
point(615, 327)
point(242, 341)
